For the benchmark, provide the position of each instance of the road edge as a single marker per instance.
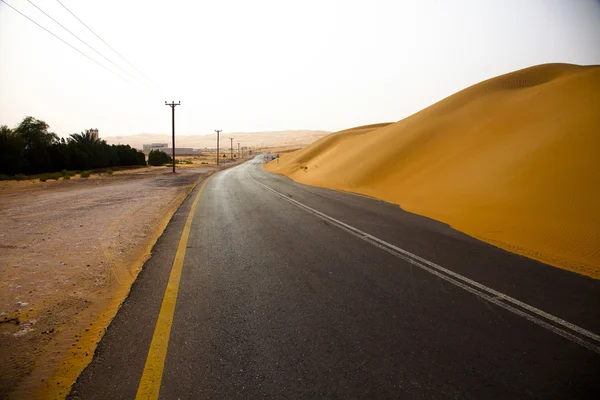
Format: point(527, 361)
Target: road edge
point(70, 366)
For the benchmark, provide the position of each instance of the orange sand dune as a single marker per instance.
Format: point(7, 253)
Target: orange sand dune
point(513, 161)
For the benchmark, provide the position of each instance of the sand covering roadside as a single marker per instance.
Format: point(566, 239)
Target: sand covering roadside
point(69, 253)
point(513, 161)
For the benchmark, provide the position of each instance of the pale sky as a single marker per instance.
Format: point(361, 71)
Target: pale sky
point(272, 64)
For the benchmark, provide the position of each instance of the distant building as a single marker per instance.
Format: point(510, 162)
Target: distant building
point(183, 151)
point(154, 146)
point(179, 151)
point(94, 133)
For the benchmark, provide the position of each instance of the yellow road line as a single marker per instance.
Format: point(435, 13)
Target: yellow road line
point(149, 387)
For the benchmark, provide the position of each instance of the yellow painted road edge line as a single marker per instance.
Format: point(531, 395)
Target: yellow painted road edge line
point(149, 387)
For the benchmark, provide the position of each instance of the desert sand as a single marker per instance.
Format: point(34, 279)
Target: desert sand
point(70, 251)
point(513, 161)
point(202, 141)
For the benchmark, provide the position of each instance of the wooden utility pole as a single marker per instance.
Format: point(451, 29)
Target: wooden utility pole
point(218, 131)
point(173, 105)
point(231, 148)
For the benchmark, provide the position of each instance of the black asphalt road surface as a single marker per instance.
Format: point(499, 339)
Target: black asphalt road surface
point(276, 302)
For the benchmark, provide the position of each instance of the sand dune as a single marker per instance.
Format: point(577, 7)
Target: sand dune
point(260, 139)
point(513, 161)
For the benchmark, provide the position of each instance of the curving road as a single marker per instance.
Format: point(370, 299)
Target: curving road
point(291, 291)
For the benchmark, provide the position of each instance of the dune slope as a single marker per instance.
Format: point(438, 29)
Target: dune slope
point(513, 161)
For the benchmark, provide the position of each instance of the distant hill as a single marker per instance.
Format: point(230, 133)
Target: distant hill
point(513, 160)
point(269, 139)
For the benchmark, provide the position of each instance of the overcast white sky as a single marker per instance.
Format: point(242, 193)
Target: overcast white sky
point(273, 64)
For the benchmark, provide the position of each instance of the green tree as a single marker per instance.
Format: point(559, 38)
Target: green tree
point(157, 157)
point(37, 142)
point(12, 149)
point(86, 139)
point(87, 151)
point(30, 148)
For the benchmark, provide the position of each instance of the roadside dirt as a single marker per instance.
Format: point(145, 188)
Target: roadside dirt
point(69, 252)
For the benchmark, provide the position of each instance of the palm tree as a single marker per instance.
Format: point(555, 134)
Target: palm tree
point(86, 138)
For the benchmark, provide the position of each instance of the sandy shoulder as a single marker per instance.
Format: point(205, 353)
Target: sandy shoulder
point(70, 251)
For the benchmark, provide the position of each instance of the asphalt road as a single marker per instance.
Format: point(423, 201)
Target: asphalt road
point(290, 291)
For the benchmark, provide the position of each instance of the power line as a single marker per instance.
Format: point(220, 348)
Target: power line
point(81, 40)
point(67, 43)
point(103, 41)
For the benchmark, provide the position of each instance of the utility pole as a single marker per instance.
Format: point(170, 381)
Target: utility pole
point(239, 154)
point(218, 131)
point(173, 105)
point(231, 148)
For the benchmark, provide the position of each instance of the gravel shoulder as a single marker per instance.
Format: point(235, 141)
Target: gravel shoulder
point(70, 251)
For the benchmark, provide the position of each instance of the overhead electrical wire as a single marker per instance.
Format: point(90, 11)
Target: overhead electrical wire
point(81, 40)
point(68, 44)
point(103, 41)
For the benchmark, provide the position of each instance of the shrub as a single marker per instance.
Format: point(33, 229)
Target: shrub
point(85, 174)
point(54, 176)
point(109, 172)
point(63, 172)
point(18, 177)
point(157, 158)
point(66, 177)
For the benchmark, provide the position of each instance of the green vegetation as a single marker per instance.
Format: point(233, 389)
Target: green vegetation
point(109, 171)
point(157, 158)
point(50, 176)
point(86, 174)
point(18, 177)
point(31, 149)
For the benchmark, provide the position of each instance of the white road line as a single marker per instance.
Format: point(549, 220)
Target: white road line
point(526, 311)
